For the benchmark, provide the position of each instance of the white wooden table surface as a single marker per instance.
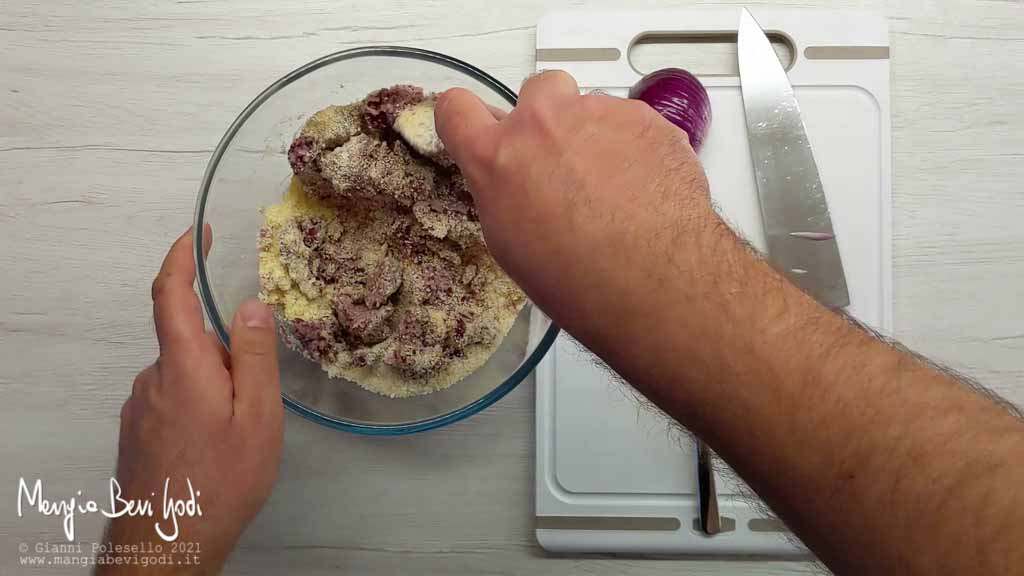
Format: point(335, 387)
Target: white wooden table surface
point(110, 110)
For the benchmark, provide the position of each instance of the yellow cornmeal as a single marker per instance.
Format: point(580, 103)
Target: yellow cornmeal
point(387, 381)
point(502, 299)
point(374, 261)
point(286, 294)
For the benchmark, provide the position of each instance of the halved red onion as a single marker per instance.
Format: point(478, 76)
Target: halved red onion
point(680, 98)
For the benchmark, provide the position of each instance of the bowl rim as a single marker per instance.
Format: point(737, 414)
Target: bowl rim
point(206, 292)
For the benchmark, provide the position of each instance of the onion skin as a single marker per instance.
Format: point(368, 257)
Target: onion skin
point(680, 98)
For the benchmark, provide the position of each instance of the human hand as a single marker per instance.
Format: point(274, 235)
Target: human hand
point(579, 192)
point(200, 415)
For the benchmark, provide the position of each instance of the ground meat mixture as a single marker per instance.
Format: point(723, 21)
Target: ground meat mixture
point(374, 262)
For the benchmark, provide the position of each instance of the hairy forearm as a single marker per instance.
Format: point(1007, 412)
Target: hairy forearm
point(601, 212)
point(869, 454)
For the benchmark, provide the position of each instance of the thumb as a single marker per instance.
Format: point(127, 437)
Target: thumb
point(254, 369)
point(466, 126)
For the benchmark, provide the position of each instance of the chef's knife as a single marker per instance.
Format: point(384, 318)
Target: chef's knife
point(707, 495)
point(801, 242)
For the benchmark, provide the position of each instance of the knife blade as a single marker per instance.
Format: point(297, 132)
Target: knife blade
point(798, 227)
point(707, 494)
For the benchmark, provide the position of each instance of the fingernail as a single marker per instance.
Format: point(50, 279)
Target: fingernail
point(255, 314)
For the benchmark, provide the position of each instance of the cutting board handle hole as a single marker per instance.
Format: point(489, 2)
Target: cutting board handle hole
point(711, 54)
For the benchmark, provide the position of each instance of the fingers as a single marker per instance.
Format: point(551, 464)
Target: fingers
point(548, 87)
point(464, 124)
point(144, 378)
point(498, 113)
point(126, 414)
point(207, 237)
point(254, 369)
point(218, 349)
point(176, 311)
point(143, 384)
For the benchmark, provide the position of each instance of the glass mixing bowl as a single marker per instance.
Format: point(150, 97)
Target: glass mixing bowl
point(249, 170)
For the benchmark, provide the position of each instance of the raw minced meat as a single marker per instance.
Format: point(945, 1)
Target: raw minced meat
point(374, 262)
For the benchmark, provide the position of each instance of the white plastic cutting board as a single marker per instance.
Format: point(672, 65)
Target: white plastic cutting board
point(611, 476)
